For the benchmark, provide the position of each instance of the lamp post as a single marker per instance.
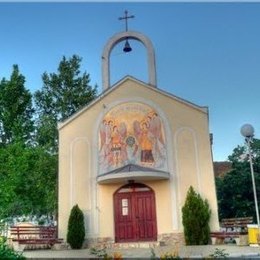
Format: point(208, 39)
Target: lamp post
point(247, 131)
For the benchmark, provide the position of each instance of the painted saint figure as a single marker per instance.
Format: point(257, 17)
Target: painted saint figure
point(155, 128)
point(145, 142)
point(118, 152)
point(116, 146)
point(105, 138)
point(146, 145)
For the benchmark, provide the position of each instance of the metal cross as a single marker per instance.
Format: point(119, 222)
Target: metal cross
point(125, 18)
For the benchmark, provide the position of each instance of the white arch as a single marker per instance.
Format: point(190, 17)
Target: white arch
point(195, 145)
point(117, 38)
point(72, 175)
point(197, 170)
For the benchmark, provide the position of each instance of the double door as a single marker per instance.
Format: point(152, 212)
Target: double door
point(135, 216)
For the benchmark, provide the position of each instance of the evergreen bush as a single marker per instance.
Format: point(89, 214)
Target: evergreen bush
point(76, 228)
point(195, 218)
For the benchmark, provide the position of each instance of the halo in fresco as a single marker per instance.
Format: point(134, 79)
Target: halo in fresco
point(131, 133)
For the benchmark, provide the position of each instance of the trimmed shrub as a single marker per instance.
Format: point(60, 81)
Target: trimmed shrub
point(195, 219)
point(76, 228)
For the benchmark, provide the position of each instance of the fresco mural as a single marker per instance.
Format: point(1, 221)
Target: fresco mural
point(131, 133)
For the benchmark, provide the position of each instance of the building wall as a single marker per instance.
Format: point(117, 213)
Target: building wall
point(188, 154)
point(106, 210)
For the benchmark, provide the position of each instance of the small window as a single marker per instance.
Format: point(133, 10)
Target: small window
point(124, 207)
point(135, 187)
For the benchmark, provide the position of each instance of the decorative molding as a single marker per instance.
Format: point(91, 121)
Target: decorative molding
point(136, 175)
point(92, 212)
point(72, 174)
point(198, 174)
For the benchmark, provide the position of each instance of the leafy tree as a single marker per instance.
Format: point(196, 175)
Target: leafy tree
point(29, 162)
point(235, 194)
point(15, 109)
point(62, 94)
point(195, 218)
point(234, 189)
point(28, 181)
point(240, 159)
point(6, 252)
point(76, 228)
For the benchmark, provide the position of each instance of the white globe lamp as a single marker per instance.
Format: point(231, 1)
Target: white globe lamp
point(247, 130)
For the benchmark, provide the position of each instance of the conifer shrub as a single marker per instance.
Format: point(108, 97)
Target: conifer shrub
point(76, 228)
point(195, 219)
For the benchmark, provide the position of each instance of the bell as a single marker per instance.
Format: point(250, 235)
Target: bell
point(127, 47)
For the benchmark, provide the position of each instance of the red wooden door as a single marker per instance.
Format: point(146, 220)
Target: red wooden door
point(145, 216)
point(135, 216)
point(124, 217)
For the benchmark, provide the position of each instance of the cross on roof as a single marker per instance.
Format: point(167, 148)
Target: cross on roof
point(125, 18)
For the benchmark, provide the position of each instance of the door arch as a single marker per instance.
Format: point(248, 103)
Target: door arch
point(135, 213)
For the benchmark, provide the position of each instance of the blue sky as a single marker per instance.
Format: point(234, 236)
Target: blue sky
point(206, 53)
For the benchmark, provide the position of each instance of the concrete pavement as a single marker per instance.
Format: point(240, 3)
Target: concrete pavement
point(233, 251)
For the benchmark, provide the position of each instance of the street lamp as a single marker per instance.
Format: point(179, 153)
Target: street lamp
point(247, 131)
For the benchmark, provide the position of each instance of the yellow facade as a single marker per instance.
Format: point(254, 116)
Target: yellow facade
point(188, 161)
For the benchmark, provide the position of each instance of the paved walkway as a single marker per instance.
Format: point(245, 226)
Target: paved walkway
point(233, 251)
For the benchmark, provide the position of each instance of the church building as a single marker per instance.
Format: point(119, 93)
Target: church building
point(129, 157)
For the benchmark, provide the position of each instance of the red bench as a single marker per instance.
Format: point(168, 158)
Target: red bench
point(221, 235)
point(35, 235)
point(234, 228)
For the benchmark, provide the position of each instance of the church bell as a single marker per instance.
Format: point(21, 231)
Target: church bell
point(127, 47)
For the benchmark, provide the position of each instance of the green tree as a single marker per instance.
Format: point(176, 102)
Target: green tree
point(235, 194)
point(29, 160)
point(63, 93)
point(234, 189)
point(76, 228)
point(16, 109)
point(28, 181)
point(6, 252)
point(239, 157)
point(195, 218)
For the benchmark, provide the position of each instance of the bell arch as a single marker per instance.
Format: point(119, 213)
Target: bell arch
point(119, 37)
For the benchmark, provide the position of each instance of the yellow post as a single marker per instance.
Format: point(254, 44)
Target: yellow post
point(253, 233)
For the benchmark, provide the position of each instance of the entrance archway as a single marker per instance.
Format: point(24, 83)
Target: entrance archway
point(135, 213)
